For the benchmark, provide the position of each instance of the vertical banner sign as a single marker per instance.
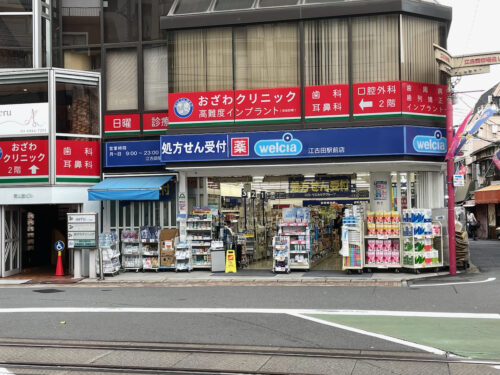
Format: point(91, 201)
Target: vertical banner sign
point(24, 161)
point(78, 161)
point(201, 108)
point(424, 99)
point(122, 124)
point(328, 102)
point(375, 99)
point(155, 123)
point(267, 105)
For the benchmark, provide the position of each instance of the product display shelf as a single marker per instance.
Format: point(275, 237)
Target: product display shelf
point(167, 256)
point(199, 230)
point(150, 248)
point(422, 245)
point(299, 243)
point(109, 246)
point(183, 258)
point(383, 251)
point(353, 234)
point(281, 254)
point(130, 250)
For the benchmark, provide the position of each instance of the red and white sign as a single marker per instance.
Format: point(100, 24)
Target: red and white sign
point(267, 104)
point(240, 146)
point(155, 122)
point(424, 99)
point(201, 108)
point(78, 161)
point(376, 98)
point(326, 102)
point(122, 124)
point(24, 161)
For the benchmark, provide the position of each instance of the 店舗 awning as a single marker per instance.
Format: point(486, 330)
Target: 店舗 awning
point(489, 194)
point(143, 188)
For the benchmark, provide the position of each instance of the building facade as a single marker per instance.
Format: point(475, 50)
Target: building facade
point(210, 92)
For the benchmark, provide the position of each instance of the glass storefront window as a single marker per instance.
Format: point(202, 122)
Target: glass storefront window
point(81, 23)
point(155, 78)
point(192, 6)
point(266, 56)
point(152, 10)
point(33, 92)
point(88, 59)
point(112, 213)
point(326, 52)
point(375, 48)
point(77, 108)
point(121, 21)
point(46, 43)
point(121, 79)
point(201, 60)
point(418, 62)
point(16, 47)
point(16, 5)
point(233, 4)
point(276, 3)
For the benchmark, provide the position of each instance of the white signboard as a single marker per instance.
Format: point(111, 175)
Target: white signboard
point(81, 235)
point(458, 180)
point(82, 230)
point(24, 119)
point(81, 218)
point(81, 227)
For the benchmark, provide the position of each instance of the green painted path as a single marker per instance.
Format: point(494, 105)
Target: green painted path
point(467, 337)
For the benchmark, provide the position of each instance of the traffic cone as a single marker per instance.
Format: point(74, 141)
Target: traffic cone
point(59, 267)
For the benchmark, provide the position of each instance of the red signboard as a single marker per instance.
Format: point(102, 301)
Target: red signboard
point(201, 108)
point(155, 122)
point(24, 161)
point(376, 99)
point(267, 105)
point(78, 161)
point(122, 124)
point(326, 102)
point(240, 146)
point(424, 99)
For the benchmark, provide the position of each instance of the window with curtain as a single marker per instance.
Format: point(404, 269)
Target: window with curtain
point(326, 52)
point(201, 60)
point(418, 63)
point(121, 79)
point(155, 78)
point(375, 48)
point(266, 56)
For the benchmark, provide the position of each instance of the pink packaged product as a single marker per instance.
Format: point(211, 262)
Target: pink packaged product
point(370, 257)
point(379, 256)
point(387, 256)
point(387, 245)
point(379, 244)
point(395, 257)
point(372, 244)
point(395, 245)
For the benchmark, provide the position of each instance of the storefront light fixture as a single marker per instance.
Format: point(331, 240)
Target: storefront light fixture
point(257, 178)
point(309, 176)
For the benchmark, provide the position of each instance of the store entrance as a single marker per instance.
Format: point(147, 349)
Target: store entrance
point(256, 212)
point(41, 227)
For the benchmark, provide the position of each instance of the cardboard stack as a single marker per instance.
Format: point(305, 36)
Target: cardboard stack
point(167, 252)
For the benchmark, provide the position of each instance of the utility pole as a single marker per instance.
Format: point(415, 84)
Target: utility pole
point(455, 67)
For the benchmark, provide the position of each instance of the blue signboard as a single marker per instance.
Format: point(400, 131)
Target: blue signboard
point(132, 154)
point(318, 143)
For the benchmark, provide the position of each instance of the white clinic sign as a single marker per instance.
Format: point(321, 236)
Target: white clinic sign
point(24, 119)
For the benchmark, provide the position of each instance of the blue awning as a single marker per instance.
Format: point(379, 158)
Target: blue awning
point(128, 188)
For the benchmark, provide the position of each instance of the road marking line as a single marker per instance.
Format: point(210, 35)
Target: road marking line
point(460, 283)
point(210, 310)
point(425, 348)
point(4, 371)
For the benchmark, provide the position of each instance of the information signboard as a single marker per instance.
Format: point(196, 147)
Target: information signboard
point(82, 230)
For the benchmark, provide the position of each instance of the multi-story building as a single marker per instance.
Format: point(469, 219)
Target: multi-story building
point(248, 90)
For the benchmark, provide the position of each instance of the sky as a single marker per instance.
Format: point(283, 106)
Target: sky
point(474, 29)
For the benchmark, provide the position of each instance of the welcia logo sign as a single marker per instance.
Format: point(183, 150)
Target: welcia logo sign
point(183, 107)
point(287, 146)
point(435, 144)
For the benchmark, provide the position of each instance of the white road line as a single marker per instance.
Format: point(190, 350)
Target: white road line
point(425, 348)
point(460, 283)
point(4, 371)
point(210, 310)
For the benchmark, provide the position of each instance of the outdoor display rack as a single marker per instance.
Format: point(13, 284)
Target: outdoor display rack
point(150, 247)
point(353, 237)
point(109, 245)
point(199, 235)
point(183, 257)
point(281, 254)
point(130, 250)
point(299, 236)
point(422, 240)
point(383, 240)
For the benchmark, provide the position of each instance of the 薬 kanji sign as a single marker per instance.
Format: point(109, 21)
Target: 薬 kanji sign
point(122, 124)
point(376, 99)
point(327, 102)
point(24, 161)
point(78, 161)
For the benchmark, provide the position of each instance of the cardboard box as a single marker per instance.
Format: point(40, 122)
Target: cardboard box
point(167, 261)
point(169, 234)
point(165, 253)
